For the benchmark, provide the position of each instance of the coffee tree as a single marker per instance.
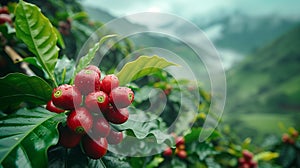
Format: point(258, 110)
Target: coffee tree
point(57, 111)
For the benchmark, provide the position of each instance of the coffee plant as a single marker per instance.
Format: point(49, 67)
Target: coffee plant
point(56, 111)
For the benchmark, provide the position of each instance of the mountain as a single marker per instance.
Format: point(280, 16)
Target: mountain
point(264, 89)
point(244, 33)
point(268, 80)
point(98, 14)
point(234, 34)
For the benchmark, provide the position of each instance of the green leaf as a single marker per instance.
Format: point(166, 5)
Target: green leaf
point(79, 15)
point(36, 31)
point(114, 161)
point(61, 157)
point(266, 156)
point(60, 39)
point(145, 129)
point(64, 70)
point(203, 149)
point(141, 125)
point(155, 162)
point(288, 155)
point(17, 88)
point(143, 66)
point(193, 136)
point(177, 163)
point(33, 61)
point(86, 60)
point(26, 135)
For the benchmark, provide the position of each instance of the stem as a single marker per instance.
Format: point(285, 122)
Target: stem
point(16, 58)
point(101, 161)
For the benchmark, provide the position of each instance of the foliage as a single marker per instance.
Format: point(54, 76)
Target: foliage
point(26, 136)
point(48, 40)
point(265, 87)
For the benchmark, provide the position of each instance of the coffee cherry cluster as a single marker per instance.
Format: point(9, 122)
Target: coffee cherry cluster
point(290, 137)
point(246, 161)
point(180, 148)
point(91, 105)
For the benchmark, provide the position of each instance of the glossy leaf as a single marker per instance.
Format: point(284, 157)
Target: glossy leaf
point(114, 161)
point(36, 31)
point(17, 88)
point(86, 60)
point(60, 39)
point(26, 135)
point(140, 128)
point(177, 163)
point(33, 61)
point(155, 162)
point(193, 136)
point(60, 157)
point(142, 66)
point(64, 70)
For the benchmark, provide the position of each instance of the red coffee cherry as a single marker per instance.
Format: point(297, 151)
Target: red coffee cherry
point(114, 137)
point(94, 148)
point(109, 82)
point(51, 107)
point(80, 120)
point(181, 154)
point(94, 68)
point(66, 97)
point(168, 152)
point(87, 81)
point(121, 97)
point(117, 116)
point(67, 137)
point(97, 101)
point(100, 128)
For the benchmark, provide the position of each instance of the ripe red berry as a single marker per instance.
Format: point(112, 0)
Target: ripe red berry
point(181, 154)
point(66, 97)
point(109, 82)
point(247, 155)
point(295, 134)
point(168, 152)
point(5, 18)
point(252, 164)
point(97, 101)
point(117, 116)
point(68, 138)
point(180, 147)
point(241, 161)
point(4, 10)
point(100, 128)
point(94, 68)
point(94, 148)
point(80, 120)
point(87, 81)
point(246, 165)
point(285, 138)
point(179, 141)
point(51, 107)
point(114, 137)
point(121, 97)
point(291, 141)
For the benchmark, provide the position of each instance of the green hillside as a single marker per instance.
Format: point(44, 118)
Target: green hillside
point(267, 83)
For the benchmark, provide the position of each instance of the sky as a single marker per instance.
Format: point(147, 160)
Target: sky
point(203, 10)
point(193, 8)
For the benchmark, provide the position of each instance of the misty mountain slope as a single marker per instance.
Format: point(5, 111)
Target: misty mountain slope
point(244, 33)
point(269, 80)
point(98, 14)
